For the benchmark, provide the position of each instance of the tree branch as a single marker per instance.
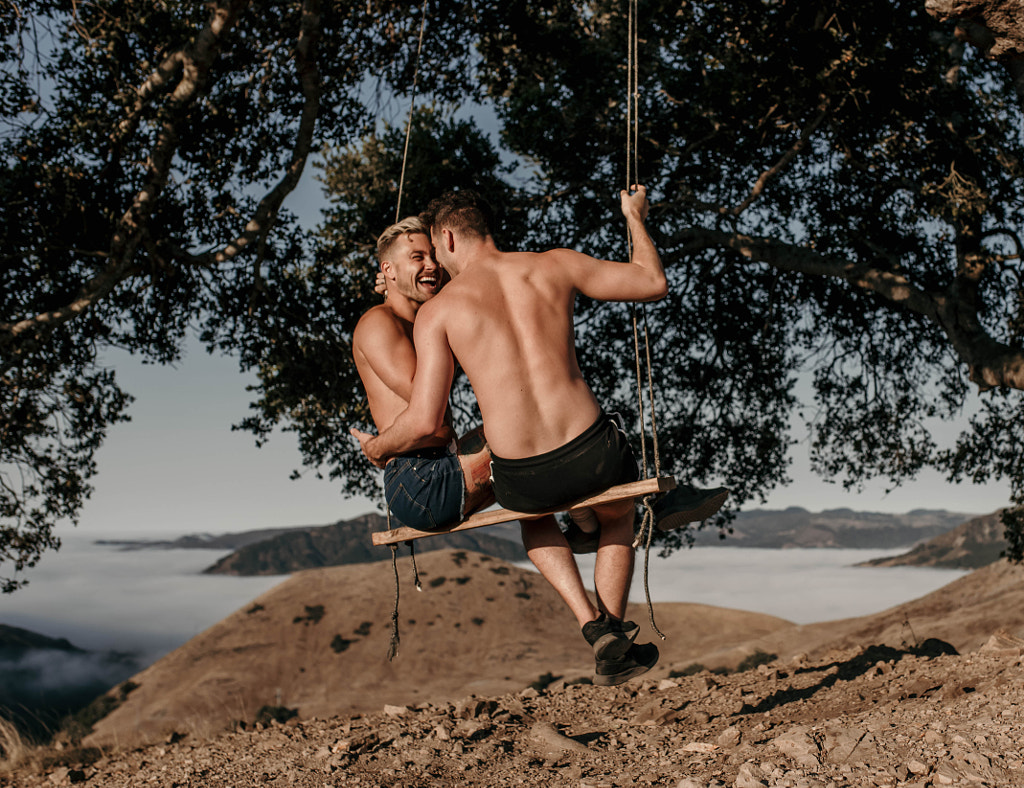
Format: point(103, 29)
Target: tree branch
point(992, 364)
point(197, 60)
point(997, 29)
point(262, 221)
point(780, 165)
point(160, 77)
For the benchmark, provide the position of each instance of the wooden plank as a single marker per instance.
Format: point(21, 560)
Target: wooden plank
point(494, 516)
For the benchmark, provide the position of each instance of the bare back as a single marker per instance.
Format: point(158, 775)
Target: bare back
point(508, 321)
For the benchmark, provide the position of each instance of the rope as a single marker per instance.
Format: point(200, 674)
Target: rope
point(412, 103)
point(395, 637)
point(646, 531)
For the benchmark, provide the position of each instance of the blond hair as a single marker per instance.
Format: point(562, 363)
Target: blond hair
point(408, 226)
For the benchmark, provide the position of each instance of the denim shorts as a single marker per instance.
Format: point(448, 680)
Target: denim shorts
point(599, 458)
point(425, 489)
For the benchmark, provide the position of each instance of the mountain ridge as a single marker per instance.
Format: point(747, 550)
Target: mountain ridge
point(283, 550)
point(975, 543)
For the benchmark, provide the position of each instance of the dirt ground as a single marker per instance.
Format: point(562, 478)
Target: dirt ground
point(876, 716)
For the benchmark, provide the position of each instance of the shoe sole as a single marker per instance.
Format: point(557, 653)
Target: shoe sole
point(614, 645)
point(638, 669)
point(676, 520)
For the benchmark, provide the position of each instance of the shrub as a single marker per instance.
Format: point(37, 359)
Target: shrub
point(689, 670)
point(281, 714)
point(313, 615)
point(339, 644)
point(751, 661)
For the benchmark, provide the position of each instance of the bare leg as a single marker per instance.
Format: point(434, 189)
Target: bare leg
point(475, 459)
point(585, 519)
point(547, 549)
point(613, 569)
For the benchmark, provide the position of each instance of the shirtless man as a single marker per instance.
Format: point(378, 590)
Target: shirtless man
point(431, 486)
point(507, 318)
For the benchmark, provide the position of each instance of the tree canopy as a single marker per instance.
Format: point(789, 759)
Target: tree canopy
point(837, 196)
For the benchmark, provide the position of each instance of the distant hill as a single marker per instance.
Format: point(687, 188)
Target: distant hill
point(42, 679)
point(286, 550)
point(231, 541)
point(14, 641)
point(832, 528)
point(929, 693)
point(973, 544)
point(347, 542)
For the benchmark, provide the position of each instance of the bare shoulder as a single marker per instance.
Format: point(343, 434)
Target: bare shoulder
point(563, 257)
point(551, 259)
point(567, 264)
point(433, 312)
point(379, 322)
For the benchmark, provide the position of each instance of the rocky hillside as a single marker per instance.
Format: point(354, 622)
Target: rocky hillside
point(887, 710)
point(797, 527)
point(347, 542)
point(978, 542)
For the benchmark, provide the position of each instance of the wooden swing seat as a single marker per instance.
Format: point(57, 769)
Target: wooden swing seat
point(620, 492)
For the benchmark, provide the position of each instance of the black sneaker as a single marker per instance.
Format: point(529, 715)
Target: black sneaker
point(687, 504)
point(609, 637)
point(580, 541)
point(640, 658)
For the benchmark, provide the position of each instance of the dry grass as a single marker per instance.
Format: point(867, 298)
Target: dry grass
point(21, 754)
point(14, 750)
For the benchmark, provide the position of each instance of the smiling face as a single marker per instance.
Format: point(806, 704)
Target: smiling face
point(411, 270)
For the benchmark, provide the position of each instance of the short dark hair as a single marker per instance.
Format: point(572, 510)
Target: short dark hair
point(464, 211)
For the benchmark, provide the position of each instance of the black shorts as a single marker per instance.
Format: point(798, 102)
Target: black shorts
point(597, 459)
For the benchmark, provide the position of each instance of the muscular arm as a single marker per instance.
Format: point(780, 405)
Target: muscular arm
point(642, 279)
point(435, 370)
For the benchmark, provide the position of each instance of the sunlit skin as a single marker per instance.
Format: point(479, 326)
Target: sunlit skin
point(385, 357)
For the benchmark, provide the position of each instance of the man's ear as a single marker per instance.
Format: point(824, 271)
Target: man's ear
point(448, 239)
point(387, 268)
